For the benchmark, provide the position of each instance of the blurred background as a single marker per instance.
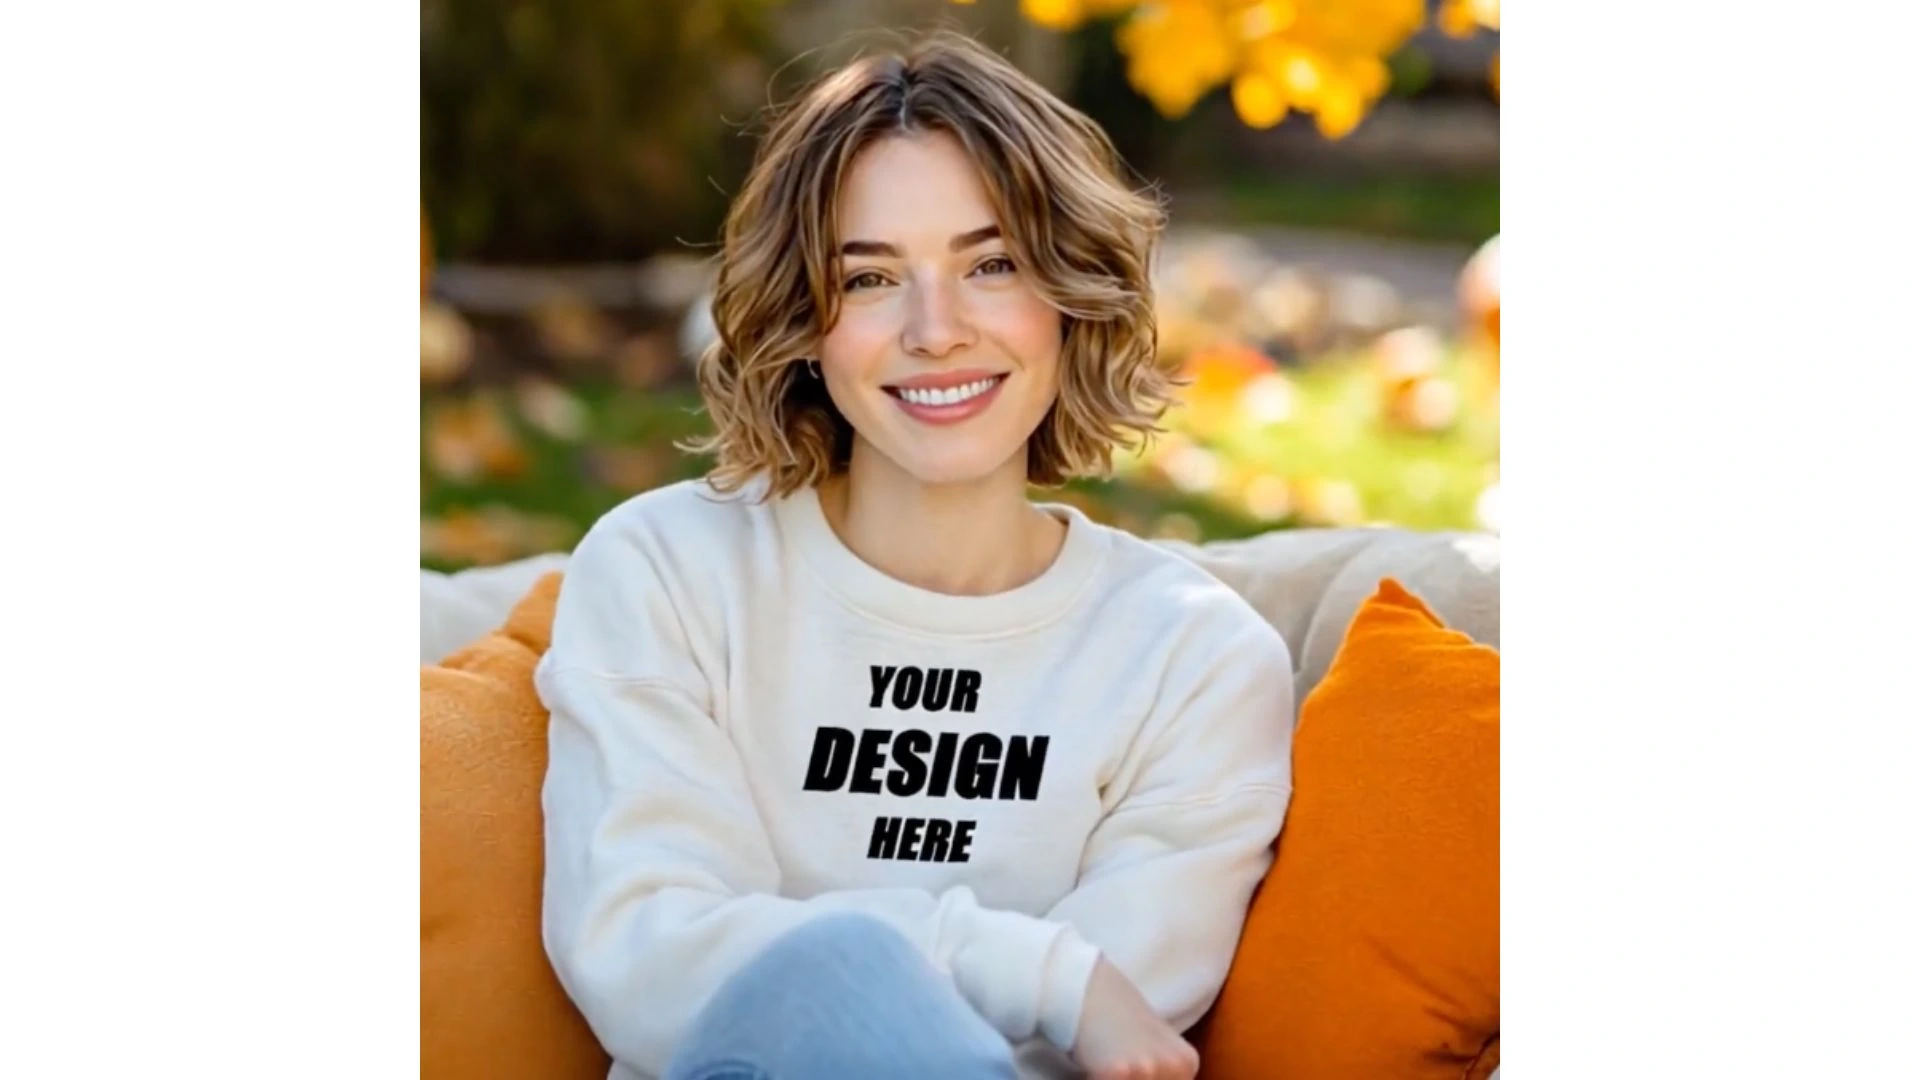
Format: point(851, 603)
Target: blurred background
point(1329, 283)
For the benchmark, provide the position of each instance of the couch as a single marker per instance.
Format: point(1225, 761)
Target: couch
point(1307, 583)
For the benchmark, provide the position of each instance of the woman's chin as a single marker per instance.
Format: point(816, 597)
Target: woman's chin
point(967, 467)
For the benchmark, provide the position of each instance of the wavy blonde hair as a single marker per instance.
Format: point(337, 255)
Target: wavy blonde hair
point(1083, 239)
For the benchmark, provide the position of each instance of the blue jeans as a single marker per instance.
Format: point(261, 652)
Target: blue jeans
point(843, 997)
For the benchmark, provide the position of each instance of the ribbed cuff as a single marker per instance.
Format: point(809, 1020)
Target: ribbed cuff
point(1063, 988)
point(1023, 974)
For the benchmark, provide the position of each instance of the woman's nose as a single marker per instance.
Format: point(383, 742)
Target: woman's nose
point(937, 322)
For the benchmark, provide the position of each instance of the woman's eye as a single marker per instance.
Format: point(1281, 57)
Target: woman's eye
point(999, 264)
point(865, 280)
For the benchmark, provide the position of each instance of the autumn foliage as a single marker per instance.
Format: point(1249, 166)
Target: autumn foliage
point(1322, 58)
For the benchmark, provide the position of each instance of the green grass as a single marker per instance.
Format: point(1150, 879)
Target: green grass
point(560, 480)
point(1420, 481)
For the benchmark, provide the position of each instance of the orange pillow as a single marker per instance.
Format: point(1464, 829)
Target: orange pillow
point(490, 1005)
point(1373, 947)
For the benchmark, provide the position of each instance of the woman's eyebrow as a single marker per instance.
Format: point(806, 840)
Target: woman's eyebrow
point(978, 236)
point(882, 250)
point(870, 247)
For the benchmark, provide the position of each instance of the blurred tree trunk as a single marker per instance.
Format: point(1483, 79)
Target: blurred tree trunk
point(569, 130)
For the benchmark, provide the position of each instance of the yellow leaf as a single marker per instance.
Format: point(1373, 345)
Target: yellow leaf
point(1176, 53)
point(1368, 74)
point(1327, 57)
point(1302, 78)
point(1257, 100)
point(1264, 18)
point(1461, 18)
point(1339, 111)
point(1054, 14)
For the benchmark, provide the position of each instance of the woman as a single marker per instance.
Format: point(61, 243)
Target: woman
point(862, 764)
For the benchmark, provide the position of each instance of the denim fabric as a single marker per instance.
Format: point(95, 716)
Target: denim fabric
point(843, 997)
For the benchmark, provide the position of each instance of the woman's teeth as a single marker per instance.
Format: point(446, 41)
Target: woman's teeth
point(952, 395)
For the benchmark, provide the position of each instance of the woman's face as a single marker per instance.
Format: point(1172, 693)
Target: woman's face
point(944, 358)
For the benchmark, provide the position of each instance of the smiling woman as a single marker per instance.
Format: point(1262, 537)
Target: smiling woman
point(946, 207)
point(937, 326)
point(1072, 756)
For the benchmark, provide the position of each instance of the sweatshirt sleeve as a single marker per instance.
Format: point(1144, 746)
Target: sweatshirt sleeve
point(660, 881)
point(1169, 873)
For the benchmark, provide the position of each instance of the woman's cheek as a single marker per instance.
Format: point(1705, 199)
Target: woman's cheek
point(1032, 322)
point(858, 328)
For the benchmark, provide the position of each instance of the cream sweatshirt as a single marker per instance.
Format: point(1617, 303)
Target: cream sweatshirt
point(751, 727)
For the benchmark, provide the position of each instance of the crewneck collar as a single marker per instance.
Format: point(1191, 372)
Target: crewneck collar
point(804, 523)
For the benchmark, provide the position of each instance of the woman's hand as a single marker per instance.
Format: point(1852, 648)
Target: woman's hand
point(1121, 1038)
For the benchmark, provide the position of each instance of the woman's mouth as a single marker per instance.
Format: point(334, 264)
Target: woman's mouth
point(948, 404)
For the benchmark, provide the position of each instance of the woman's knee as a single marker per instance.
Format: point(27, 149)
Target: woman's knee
point(846, 995)
point(843, 941)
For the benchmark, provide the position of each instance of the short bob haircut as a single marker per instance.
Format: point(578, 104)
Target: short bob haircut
point(1083, 238)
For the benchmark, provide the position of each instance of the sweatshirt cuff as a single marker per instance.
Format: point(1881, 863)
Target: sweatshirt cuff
point(1024, 974)
point(1063, 987)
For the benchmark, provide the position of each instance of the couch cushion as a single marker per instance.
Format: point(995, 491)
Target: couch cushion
point(1309, 582)
point(1373, 946)
point(490, 1006)
point(457, 608)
